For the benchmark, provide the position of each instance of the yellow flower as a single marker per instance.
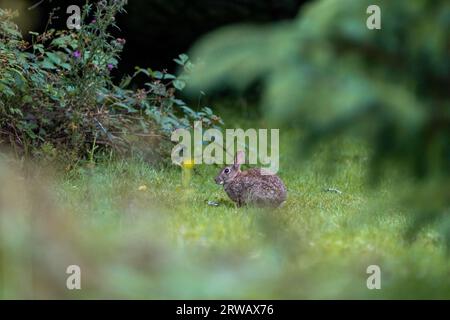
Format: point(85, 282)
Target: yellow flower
point(188, 164)
point(142, 188)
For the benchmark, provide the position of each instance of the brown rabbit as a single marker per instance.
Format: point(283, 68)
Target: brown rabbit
point(250, 186)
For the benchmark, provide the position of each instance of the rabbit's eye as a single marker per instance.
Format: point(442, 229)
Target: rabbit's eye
point(227, 170)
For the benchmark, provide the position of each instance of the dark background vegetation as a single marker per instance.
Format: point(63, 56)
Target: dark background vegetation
point(159, 30)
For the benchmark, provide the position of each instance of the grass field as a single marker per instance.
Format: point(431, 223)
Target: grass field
point(137, 232)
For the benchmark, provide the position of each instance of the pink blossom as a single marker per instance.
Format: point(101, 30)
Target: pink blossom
point(77, 54)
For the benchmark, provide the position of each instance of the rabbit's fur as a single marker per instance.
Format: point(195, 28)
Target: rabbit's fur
point(250, 186)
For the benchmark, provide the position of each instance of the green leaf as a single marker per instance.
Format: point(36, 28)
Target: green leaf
point(47, 64)
point(39, 47)
point(124, 106)
point(54, 58)
point(179, 84)
point(182, 59)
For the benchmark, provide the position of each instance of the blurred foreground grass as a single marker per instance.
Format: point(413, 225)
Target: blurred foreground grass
point(136, 232)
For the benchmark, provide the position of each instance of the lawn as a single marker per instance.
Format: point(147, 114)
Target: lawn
point(137, 232)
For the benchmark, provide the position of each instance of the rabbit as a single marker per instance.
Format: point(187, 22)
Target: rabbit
point(250, 187)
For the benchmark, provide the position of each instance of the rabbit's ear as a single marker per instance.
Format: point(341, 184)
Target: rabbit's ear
point(239, 159)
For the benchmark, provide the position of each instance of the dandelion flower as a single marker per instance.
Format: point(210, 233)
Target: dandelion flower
point(188, 164)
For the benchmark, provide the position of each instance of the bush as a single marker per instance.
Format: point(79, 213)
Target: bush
point(57, 96)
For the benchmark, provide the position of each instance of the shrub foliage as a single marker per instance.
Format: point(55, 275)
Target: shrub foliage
point(57, 95)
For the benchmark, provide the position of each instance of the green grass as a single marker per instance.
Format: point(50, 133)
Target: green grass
point(167, 242)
